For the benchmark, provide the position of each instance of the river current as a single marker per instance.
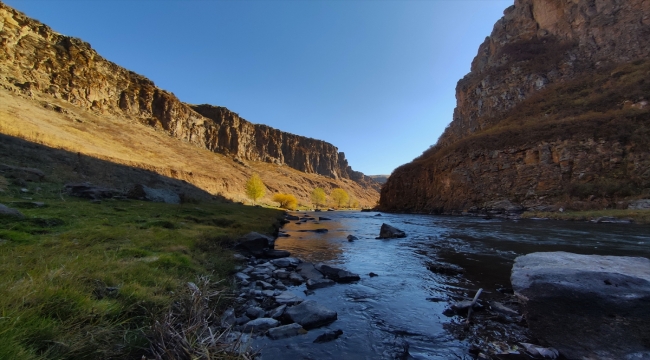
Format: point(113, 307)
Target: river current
point(404, 304)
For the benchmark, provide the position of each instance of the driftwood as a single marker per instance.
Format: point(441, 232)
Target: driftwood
point(469, 312)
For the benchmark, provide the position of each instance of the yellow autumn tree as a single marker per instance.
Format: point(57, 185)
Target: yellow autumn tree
point(255, 188)
point(286, 201)
point(339, 196)
point(318, 197)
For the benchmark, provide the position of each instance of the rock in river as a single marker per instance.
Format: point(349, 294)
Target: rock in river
point(388, 232)
point(586, 306)
point(260, 325)
point(311, 314)
point(286, 331)
point(336, 274)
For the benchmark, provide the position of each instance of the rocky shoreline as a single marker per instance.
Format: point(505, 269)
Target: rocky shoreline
point(495, 323)
point(267, 305)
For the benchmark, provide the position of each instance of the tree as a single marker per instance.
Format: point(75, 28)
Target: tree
point(255, 188)
point(318, 197)
point(286, 201)
point(339, 196)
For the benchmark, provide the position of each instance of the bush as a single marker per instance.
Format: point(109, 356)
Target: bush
point(286, 201)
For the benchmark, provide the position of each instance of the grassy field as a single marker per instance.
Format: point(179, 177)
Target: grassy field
point(81, 280)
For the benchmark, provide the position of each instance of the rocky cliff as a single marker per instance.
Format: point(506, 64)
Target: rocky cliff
point(35, 59)
point(553, 114)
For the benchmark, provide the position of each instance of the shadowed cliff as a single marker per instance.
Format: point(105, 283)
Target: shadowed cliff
point(554, 114)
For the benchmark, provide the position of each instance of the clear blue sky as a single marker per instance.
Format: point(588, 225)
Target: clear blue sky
point(376, 78)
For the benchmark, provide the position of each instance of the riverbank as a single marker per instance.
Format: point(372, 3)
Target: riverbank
point(87, 279)
point(597, 216)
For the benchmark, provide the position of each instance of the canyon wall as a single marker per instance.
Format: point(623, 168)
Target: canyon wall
point(34, 58)
point(554, 114)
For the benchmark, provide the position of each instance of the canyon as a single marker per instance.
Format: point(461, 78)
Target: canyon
point(553, 115)
point(88, 99)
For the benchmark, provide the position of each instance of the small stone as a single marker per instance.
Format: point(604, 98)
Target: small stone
point(281, 274)
point(285, 262)
point(254, 312)
point(295, 279)
point(228, 318)
point(265, 285)
point(372, 274)
point(241, 277)
point(351, 238)
point(242, 320)
point(280, 286)
point(277, 312)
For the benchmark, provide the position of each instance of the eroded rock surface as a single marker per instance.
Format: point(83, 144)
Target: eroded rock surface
point(554, 108)
point(586, 306)
point(36, 59)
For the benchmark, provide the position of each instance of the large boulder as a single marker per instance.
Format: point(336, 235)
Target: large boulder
point(311, 314)
point(586, 306)
point(90, 191)
point(389, 232)
point(142, 192)
point(7, 211)
point(255, 243)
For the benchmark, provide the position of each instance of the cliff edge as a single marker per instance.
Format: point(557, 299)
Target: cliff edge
point(36, 59)
point(554, 114)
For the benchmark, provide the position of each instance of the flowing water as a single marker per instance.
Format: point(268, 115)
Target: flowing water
point(405, 302)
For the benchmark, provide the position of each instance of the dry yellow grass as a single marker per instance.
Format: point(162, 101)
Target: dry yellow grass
point(58, 124)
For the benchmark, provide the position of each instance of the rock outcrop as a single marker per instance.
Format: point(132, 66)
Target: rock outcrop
point(586, 306)
point(553, 114)
point(36, 59)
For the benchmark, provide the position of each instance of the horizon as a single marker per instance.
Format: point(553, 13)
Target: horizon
point(360, 72)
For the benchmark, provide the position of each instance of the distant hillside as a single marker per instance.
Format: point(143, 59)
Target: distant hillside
point(57, 91)
point(379, 178)
point(554, 114)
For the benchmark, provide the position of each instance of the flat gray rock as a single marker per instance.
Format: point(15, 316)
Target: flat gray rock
point(308, 271)
point(260, 325)
point(319, 283)
point(288, 298)
point(286, 331)
point(286, 262)
point(586, 306)
point(311, 314)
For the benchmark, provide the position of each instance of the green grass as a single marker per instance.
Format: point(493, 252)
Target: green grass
point(85, 281)
point(638, 216)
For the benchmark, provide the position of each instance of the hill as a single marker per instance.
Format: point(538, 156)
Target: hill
point(57, 91)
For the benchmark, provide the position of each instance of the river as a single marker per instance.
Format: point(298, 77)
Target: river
point(404, 304)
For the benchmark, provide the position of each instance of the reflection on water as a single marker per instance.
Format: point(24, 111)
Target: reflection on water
point(377, 313)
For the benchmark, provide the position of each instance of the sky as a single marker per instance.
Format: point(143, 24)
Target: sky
point(376, 78)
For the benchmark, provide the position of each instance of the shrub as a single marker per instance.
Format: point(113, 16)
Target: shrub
point(286, 201)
